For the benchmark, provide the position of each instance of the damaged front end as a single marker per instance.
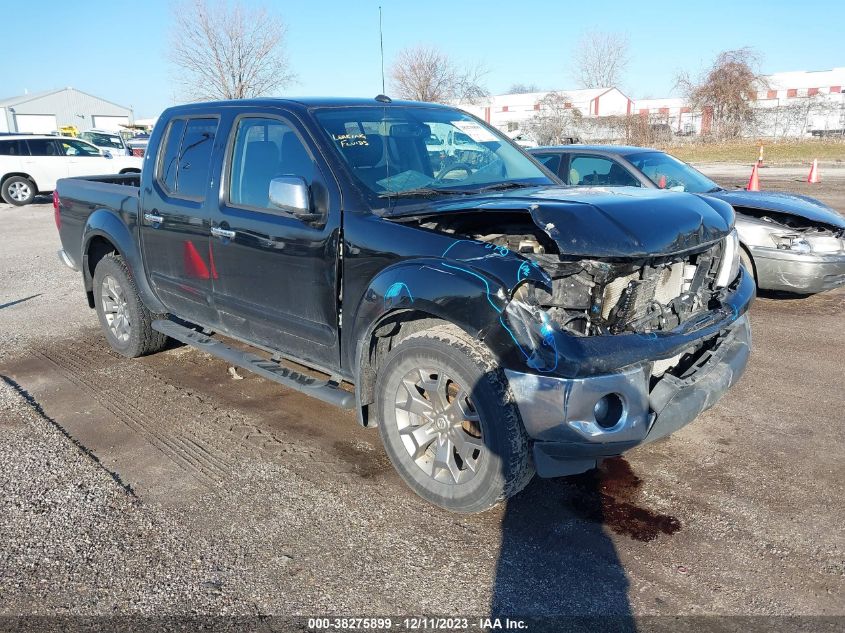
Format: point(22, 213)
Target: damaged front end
point(791, 253)
point(604, 353)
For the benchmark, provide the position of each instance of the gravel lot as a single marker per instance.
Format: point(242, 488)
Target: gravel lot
point(163, 486)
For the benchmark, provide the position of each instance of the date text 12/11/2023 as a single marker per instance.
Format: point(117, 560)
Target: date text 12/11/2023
point(422, 623)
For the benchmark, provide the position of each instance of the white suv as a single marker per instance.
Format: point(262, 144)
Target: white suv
point(32, 164)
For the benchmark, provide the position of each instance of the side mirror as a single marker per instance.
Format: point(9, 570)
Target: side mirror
point(106, 153)
point(291, 194)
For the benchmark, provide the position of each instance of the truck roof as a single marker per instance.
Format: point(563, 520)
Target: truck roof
point(307, 103)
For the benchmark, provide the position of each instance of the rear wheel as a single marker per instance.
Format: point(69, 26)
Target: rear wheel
point(125, 320)
point(18, 190)
point(449, 423)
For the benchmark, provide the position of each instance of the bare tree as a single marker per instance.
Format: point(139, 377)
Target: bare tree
point(424, 73)
point(725, 91)
point(555, 120)
point(520, 88)
point(601, 59)
point(228, 51)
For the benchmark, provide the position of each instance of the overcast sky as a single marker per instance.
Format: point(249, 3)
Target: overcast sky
point(117, 49)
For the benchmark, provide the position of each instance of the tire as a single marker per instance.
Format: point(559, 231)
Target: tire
point(18, 190)
point(125, 320)
point(442, 365)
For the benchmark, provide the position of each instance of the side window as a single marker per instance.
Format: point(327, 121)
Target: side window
point(11, 148)
point(170, 154)
point(597, 170)
point(77, 148)
point(43, 147)
point(195, 158)
point(265, 149)
point(185, 158)
point(549, 161)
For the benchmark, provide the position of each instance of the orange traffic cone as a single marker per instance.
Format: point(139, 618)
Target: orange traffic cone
point(662, 182)
point(754, 181)
point(813, 176)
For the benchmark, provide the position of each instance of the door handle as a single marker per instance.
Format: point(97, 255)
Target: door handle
point(153, 218)
point(225, 234)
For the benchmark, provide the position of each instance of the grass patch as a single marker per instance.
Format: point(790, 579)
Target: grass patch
point(774, 152)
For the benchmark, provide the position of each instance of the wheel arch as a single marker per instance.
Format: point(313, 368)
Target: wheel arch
point(106, 233)
point(411, 297)
point(22, 174)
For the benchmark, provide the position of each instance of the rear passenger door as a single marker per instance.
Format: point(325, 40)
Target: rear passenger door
point(176, 217)
point(277, 275)
point(46, 162)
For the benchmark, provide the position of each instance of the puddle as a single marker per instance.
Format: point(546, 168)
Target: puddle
point(608, 494)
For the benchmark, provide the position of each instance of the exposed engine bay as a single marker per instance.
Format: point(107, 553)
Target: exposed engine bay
point(597, 297)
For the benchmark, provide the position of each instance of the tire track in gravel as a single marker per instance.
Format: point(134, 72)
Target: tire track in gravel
point(202, 463)
point(144, 398)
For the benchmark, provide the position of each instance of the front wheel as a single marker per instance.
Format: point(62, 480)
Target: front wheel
point(125, 320)
point(18, 190)
point(448, 422)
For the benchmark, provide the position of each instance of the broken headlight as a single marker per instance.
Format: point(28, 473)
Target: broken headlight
point(531, 329)
point(729, 266)
point(792, 242)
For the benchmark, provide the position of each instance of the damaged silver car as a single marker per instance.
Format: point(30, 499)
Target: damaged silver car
point(791, 243)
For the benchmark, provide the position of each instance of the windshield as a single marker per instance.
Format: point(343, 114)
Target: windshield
point(99, 139)
point(404, 153)
point(667, 172)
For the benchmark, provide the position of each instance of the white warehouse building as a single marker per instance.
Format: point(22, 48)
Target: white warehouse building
point(46, 112)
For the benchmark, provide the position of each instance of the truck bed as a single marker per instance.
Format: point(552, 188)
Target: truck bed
point(81, 197)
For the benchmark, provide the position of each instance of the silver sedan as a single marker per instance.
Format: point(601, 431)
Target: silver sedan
point(790, 242)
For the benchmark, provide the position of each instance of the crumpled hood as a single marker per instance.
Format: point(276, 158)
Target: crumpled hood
point(782, 202)
point(618, 222)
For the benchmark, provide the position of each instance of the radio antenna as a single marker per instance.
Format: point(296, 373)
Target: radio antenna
point(381, 44)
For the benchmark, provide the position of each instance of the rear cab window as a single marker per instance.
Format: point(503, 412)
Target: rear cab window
point(184, 165)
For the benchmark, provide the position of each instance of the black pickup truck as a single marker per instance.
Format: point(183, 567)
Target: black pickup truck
point(489, 321)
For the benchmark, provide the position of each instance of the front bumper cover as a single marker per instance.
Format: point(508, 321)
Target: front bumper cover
point(558, 413)
point(803, 273)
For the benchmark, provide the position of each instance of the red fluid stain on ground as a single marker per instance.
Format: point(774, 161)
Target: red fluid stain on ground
point(608, 494)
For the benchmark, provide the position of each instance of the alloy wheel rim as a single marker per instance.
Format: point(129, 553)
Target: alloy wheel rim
point(19, 191)
point(439, 426)
point(115, 309)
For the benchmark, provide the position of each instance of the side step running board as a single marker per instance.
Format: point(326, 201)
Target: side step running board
point(321, 389)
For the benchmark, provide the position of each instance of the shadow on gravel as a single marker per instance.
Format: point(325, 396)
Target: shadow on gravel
point(36, 406)
point(557, 567)
point(17, 301)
